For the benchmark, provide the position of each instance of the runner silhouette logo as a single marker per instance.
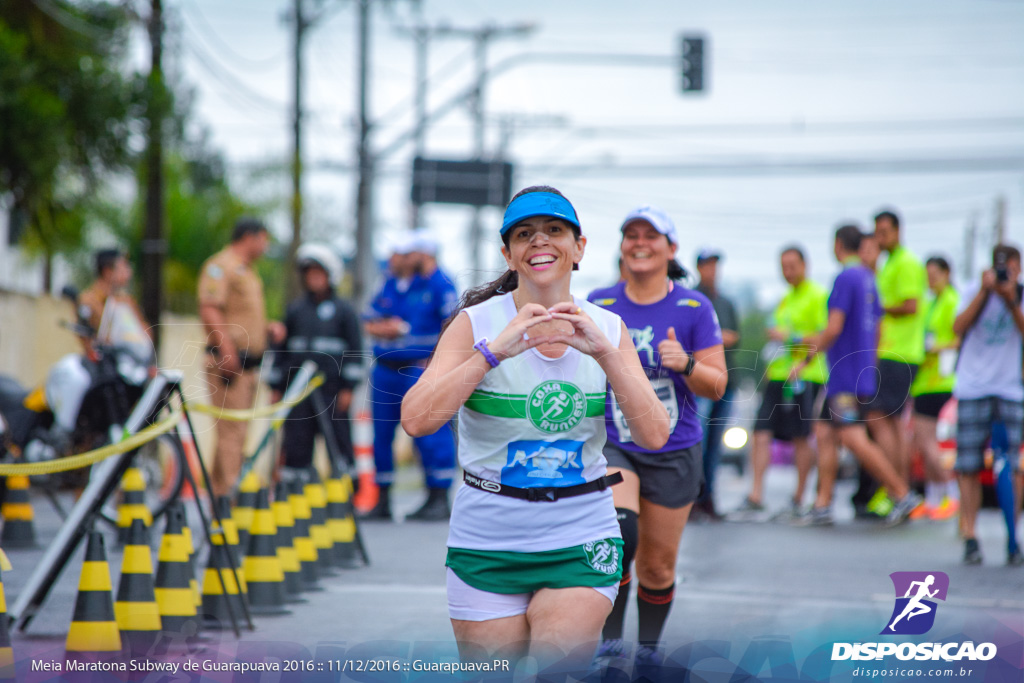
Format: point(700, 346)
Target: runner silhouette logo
point(916, 593)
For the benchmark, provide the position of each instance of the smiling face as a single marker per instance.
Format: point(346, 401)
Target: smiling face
point(543, 249)
point(645, 250)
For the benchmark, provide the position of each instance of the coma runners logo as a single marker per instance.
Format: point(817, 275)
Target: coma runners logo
point(603, 556)
point(556, 407)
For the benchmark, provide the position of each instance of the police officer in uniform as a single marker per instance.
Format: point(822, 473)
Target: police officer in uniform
point(322, 327)
point(231, 308)
point(405, 320)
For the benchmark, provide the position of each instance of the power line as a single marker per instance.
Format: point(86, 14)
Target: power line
point(197, 19)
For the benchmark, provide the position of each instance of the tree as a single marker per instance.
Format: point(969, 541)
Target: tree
point(65, 113)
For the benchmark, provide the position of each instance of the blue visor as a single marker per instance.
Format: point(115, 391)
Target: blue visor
point(538, 204)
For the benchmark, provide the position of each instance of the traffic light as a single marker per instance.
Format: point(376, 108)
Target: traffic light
point(693, 63)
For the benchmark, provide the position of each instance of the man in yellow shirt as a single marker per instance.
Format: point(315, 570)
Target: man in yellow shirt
point(901, 286)
point(787, 407)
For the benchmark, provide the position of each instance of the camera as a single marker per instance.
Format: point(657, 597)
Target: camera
point(999, 263)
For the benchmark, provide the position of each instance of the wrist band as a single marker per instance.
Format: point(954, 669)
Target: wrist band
point(481, 346)
point(690, 365)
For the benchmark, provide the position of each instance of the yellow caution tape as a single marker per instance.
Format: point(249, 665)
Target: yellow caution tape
point(148, 434)
point(246, 415)
point(74, 462)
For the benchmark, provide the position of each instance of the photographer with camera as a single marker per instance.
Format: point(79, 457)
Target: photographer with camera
point(989, 390)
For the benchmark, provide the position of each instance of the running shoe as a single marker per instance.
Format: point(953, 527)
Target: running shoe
point(902, 509)
point(1014, 558)
point(647, 664)
point(748, 511)
point(790, 513)
point(923, 511)
point(609, 659)
point(972, 551)
point(817, 517)
point(880, 503)
point(947, 510)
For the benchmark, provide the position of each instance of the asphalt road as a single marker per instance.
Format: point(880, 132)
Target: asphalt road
point(739, 584)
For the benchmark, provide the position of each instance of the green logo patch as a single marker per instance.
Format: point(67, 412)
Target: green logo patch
point(556, 407)
point(602, 556)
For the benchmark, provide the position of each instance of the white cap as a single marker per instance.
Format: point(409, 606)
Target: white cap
point(425, 242)
point(657, 218)
point(323, 256)
point(404, 242)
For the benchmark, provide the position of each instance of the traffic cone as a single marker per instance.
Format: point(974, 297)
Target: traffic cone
point(262, 567)
point(19, 528)
point(93, 628)
point(133, 504)
point(286, 552)
point(244, 507)
point(135, 608)
point(316, 494)
point(186, 531)
point(231, 538)
point(341, 521)
point(304, 546)
point(174, 597)
point(7, 672)
point(218, 591)
point(362, 438)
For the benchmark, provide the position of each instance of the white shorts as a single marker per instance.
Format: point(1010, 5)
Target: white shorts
point(472, 604)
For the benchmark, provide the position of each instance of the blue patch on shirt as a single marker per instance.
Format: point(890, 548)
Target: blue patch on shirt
point(534, 464)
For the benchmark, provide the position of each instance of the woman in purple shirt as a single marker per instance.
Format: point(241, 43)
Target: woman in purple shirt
point(679, 342)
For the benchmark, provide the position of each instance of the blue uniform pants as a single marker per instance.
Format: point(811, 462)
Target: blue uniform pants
point(437, 450)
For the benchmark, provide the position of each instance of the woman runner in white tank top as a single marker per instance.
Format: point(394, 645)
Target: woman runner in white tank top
point(534, 548)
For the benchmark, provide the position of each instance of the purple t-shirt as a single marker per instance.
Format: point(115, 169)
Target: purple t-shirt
point(696, 327)
point(852, 360)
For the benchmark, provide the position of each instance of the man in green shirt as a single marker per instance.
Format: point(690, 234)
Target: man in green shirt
point(787, 407)
point(901, 286)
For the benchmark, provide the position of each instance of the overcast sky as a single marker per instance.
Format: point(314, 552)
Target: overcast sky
point(794, 87)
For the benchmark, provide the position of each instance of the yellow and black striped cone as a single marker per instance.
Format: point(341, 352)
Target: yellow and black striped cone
point(93, 627)
point(7, 672)
point(341, 521)
point(197, 596)
point(218, 591)
point(245, 506)
point(174, 597)
point(231, 539)
point(135, 607)
point(19, 527)
point(303, 543)
point(316, 494)
point(262, 567)
point(133, 504)
point(282, 509)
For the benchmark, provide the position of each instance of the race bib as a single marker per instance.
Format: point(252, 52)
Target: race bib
point(665, 390)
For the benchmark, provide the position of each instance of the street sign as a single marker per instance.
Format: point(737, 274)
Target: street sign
point(476, 183)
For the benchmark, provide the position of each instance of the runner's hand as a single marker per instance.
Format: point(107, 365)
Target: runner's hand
point(514, 339)
point(586, 336)
point(672, 354)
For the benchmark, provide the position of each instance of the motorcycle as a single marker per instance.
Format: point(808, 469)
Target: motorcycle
point(84, 401)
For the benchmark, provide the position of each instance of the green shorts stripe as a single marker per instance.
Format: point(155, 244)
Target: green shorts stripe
point(593, 564)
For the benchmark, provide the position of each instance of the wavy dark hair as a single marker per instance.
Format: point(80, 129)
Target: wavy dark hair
point(509, 280)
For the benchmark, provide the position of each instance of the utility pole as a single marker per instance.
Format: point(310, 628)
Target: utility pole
point(153, 244)
point(999, 229)
point(299, 25)
point(970, 236)
point(365, 265)
point(421, 36)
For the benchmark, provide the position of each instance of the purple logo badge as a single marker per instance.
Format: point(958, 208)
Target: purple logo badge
point(916, 593)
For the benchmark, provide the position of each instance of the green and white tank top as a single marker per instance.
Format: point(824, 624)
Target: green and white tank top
point(534, 421)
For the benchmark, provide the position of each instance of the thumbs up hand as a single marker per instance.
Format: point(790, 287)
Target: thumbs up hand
point(671, 351)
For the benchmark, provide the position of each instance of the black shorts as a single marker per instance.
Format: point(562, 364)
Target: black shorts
point(845, 409)
point(894, 380)
point(930, 405)
point(787, 418)
point(672, 479)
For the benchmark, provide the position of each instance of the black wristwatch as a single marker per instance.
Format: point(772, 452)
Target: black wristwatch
point(690, 365)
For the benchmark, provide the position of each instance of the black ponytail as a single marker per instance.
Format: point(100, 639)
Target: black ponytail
point(676, 271)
